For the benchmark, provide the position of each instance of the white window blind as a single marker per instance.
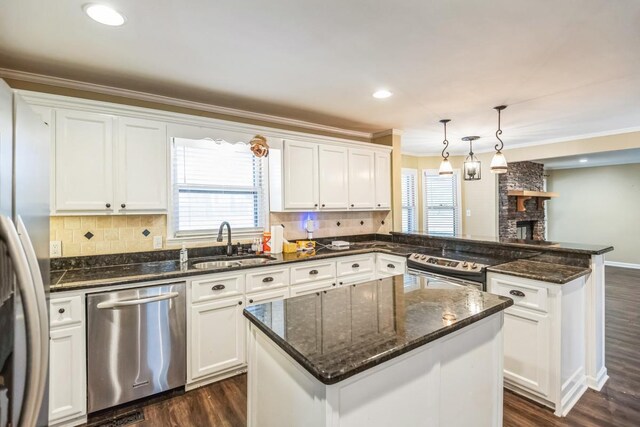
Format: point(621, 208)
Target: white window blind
point(441, 203)
point(409, 200)
point(215, 181)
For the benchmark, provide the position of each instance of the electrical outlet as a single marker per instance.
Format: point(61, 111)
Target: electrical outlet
point(55, 249)
point(468, 212)
point(157, 242)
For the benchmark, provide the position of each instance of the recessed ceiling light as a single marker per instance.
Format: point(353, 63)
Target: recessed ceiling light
point(104, 14)
point(583, 160)
point(381, 94)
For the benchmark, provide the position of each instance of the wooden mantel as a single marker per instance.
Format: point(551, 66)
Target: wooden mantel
point(524, 195)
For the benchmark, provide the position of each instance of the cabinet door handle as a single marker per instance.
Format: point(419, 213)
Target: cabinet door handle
point(355, 265)
point(123, 206)
point(323, 205)
point(313, 272)
point(250, 301)
point(333, 284)
point(239, 302)
point(267, 279)
point(315, 206)
point(516, 293)
point(391, 266)
point(379, 205)
point(218, 288)
point(108, 205)
point(61, 311)
point(352, 205)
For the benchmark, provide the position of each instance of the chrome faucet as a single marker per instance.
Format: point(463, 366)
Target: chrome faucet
point(219, 239)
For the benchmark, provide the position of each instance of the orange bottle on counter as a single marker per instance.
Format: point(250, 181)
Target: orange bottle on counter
point(266, 242)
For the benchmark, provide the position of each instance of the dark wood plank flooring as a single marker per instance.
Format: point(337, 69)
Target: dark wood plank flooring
point(618, 404)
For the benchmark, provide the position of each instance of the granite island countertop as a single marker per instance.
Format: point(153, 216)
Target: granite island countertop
point(339, 333)
point(543, 271)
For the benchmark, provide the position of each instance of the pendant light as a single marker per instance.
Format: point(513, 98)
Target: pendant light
point(445, 165)
point(472, 166)
point(499, 162)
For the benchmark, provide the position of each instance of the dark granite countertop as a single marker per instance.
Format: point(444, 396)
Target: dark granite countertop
point(580, 248)
point(339, 333)
point(543, 271)
point(81, 278)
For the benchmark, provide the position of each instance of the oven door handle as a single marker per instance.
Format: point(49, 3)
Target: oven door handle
point(127, 303)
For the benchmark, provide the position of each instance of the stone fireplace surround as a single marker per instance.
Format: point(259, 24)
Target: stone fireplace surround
point(520, 176)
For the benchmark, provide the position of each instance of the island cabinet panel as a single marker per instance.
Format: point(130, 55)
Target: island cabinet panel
point(84, 162)
point(217, 337)
point(545, 347)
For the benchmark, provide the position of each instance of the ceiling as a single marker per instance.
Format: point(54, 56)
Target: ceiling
point(565, 68)
point(608, 158)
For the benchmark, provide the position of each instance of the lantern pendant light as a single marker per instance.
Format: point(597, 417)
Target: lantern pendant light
point(472, 166)
point(499, 162)
point(445, 165)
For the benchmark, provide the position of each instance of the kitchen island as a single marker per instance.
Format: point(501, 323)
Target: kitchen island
point(385, 352)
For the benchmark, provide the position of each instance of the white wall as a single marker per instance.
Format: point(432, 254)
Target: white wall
point(599, 205)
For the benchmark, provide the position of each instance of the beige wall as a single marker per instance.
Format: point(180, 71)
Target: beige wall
point(597, 205)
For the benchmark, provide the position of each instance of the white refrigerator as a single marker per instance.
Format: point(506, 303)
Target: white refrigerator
point(24, 263)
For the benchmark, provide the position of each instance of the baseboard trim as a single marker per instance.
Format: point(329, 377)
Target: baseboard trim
point(597, 383)
point(622, 264)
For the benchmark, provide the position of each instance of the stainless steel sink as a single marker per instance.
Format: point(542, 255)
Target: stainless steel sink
point(238, 262)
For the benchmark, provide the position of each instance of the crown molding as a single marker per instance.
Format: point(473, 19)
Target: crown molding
point(395, 132)
point(160, 99)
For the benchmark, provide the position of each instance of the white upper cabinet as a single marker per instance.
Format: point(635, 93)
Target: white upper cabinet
point(142, 165)
point(334, 177)
point(361, 179)
point(383, 180)
point(83, 156)
point(300, 175)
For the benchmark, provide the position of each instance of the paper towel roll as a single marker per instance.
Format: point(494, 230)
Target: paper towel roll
point(277, 239)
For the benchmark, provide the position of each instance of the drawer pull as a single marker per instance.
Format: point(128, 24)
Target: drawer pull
point(516, 293)
point(218, 288)
point(313, 272)
point(391, 266)
point(355, 266)
point(61, 311)
point(267, 279)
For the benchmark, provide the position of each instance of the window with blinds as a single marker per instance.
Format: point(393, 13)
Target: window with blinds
point(441, 203)
point(409, 200)
point(215, 181)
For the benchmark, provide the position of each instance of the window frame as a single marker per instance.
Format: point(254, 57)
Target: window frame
point(457, 205)
point(196, 236)
point(416, 206)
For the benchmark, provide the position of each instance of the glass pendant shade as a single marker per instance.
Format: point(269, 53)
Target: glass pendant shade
point(445, 168)
point(498, 163)
point(472, 168)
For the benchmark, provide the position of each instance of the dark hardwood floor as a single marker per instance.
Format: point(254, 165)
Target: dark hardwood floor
point(618, 404)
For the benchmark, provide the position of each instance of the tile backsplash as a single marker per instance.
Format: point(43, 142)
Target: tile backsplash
point(98, 235)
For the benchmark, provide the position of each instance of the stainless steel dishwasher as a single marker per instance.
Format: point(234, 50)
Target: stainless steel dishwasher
point(136, 344)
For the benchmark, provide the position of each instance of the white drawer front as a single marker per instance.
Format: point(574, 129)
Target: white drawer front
point(267, 296)
point(313, 272)
point(358, 278)
point(65, 311)
point(355, 265)
point(218, 286)
point(523, 295)
point(263, 279)
point(309, 288)
point(389, 265)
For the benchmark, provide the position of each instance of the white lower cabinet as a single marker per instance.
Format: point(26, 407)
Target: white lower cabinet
point(67, 362)
point(390, 265)
point(544, 339)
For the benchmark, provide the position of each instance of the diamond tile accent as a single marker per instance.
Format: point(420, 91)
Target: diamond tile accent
point(88, 235)
point(146, 232)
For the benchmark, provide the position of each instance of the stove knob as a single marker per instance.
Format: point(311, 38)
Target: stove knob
point(465, 264)
point(423, 257)
point(416, 256)
point(474, 266)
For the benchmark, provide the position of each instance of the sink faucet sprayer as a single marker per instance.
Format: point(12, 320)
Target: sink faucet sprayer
point(219, 239)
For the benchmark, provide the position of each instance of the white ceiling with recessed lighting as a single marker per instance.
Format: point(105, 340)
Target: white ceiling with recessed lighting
point(565, 68)
point(607, 158)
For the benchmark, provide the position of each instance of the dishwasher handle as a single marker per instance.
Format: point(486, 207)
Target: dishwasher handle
point(127, 303)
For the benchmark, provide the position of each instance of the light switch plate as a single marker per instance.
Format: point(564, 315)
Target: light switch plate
point(55, 249)
point(468, 212)
point(157, 242)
